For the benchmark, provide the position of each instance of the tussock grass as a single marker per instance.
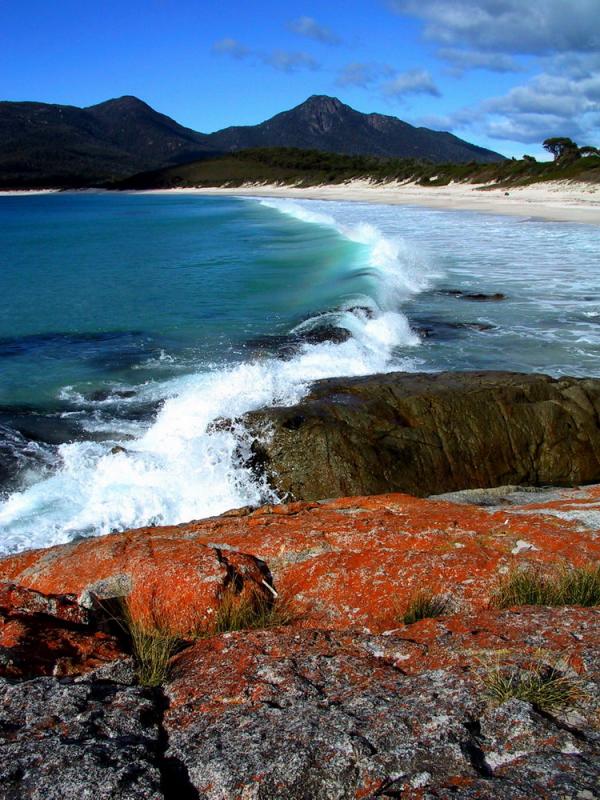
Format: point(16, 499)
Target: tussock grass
point(152, 647)
point(542, 685)
point(252, 611)
point(425, 604)
point(153, 642)
point(563, 586)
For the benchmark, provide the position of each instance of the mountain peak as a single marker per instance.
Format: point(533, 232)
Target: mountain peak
point(127, 102)
point(322, 102)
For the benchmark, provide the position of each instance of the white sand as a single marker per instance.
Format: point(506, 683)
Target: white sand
point(25, 192)
point(564, 201)
point(558, 200)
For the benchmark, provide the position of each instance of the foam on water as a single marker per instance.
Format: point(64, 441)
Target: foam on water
point(181, 466)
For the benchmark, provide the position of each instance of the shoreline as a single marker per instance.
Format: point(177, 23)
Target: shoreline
point(555, 201)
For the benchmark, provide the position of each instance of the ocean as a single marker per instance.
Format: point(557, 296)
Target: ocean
point(130, 324)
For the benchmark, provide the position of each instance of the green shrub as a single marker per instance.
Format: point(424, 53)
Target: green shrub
point(563, 586)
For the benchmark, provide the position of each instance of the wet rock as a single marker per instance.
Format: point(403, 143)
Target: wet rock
point(65, 741)
point(442, 329)
point(287, 345)
point(101, 395)
point(429, 433)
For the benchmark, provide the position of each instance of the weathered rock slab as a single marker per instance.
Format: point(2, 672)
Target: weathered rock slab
point(61, 740)
point(292, 715)
point(352, 562)
point(429, 433)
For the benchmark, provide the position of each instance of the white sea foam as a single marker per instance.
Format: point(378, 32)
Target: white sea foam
point(183, 467)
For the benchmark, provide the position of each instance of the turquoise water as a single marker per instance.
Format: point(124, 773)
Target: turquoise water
point(135, 321)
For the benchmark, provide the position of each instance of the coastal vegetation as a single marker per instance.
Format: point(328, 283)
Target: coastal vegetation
point(251, 611)
point(295, 167)
point(559, 586)
point(425, 604)
point(543, 685)
point(153, 644)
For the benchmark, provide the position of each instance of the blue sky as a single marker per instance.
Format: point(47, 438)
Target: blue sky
point(501, 73)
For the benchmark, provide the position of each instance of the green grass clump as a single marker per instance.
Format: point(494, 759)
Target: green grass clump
point(252, 611)
point(423, 605)
point(545, 687)
point(565, 586)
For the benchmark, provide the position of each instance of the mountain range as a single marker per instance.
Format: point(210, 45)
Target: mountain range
point(46, 145)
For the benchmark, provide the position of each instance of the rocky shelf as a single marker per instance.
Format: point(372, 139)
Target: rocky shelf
point(344, 701)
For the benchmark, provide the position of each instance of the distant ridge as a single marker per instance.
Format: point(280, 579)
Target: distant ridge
point(325, 123)
point(43, 144)
point(65, 146)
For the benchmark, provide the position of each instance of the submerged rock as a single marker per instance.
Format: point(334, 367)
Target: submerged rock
point(476, 296)
point(430, 433)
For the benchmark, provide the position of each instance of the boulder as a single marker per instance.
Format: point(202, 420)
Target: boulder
point(49, 635)
point(346, 701)
point(429, 433)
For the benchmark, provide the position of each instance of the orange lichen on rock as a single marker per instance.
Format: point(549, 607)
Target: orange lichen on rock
point(352, 562)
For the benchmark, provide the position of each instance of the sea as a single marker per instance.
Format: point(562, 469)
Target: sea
point(132, 325)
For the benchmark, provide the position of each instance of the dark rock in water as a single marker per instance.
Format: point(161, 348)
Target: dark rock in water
point(61, 740)
point(18, 454)
point(426, 434)
point(83, 344)
point(437, 328)
point(101, 395)
point(477, 296)
point(37, 426)
point(287, 345)
point(114, 451)
point(324, 333)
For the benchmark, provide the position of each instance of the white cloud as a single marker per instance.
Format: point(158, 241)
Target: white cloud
point(415, 81)
point(286, 61)
point(547, 105)
point(463, 60)
point(562, 99)
point(309, 27)
point(510, 26)
point(282, 60)
point(362, 74)
point(231, 47)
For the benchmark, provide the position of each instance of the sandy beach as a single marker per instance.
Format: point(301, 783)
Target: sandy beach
point(561, 201)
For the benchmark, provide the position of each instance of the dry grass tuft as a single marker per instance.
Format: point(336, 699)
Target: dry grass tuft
point(425, 604)
point(252, 611)
point(562, 586)
point(152, 645)
point(545, 686)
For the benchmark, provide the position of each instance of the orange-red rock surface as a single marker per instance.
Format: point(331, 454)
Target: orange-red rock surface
point(346, 702)
point(345, 563)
